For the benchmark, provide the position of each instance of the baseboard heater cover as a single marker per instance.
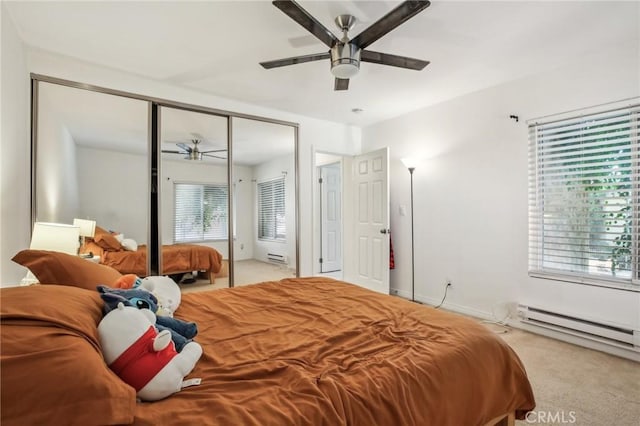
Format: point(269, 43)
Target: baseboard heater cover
point(277, 258)
point(578, 326)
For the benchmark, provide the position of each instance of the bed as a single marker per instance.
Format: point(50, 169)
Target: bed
point(132, 258)
point(301, 351)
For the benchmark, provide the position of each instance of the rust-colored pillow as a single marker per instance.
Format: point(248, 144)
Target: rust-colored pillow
point(100, 231)
point(91, 247)
point(52, 267)
point(108, 242)
point(52, 367)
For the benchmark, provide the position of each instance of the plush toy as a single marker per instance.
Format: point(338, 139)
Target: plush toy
point(143, 357)
point(182, 332)
point(165, 290)
point(127, 281)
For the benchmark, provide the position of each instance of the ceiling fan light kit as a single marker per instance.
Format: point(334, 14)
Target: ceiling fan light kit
point(345, 54)
point(345, 60)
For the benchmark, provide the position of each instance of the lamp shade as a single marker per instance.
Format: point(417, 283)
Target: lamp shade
point(55, 237)
point(410, 162)
point(87, 227)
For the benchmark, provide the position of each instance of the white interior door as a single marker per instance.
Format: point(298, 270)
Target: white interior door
point(371, 207)
point(331, 215)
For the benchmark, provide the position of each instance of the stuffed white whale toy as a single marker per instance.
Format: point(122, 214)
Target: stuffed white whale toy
point(141, 356)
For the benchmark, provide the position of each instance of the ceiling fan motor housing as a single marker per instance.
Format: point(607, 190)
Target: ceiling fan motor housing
point(345, 60)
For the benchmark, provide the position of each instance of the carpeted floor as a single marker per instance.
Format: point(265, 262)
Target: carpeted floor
point(574, 383)
point(246, 272)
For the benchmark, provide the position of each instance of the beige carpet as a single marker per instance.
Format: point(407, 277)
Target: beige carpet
point(600, 389)
point(572, 385)
point(246, 272)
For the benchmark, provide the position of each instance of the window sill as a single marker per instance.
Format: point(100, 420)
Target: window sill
point(601, 282)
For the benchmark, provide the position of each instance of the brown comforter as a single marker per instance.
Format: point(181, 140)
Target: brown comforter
point(175, 258)
point(316, 351)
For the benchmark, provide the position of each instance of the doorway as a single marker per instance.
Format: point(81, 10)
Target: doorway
point(330, 203)
point(355, 246)
point(328, 214)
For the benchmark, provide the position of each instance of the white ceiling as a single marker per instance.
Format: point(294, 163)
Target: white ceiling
point(102, 121)
point(215, 47)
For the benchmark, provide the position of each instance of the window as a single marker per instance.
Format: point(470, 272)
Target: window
point(584, 180)
point(200, 212)
point(271, 210)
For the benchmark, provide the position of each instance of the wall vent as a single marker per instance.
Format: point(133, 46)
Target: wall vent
point(580, 327)
point(277, 258)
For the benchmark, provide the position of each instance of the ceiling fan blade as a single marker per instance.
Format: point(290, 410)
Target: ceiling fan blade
point(388, 22)
point(213, 150)
point(184, 146)
point(214, 156)
point(295, 60)
point(302, 17)
point(341, 84)
point(168, 151)
point(393, 60)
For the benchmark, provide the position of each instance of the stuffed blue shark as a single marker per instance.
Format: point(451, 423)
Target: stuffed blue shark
point(182, 332)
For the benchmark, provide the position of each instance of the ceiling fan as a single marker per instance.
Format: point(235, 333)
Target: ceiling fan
point(346, 54)
point(194, 153)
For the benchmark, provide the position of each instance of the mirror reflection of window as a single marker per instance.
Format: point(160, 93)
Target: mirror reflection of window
point(272, 223)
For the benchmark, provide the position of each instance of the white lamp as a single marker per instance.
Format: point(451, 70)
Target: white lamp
point(410, 163)
point(87, 228)
point(55, 237)
point(52, 237)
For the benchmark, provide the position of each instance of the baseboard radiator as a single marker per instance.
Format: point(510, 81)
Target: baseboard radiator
point(618, 336)
point(280, 259)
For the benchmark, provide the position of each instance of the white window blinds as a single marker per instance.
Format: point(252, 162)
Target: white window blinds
point(271, 210)
point(583, 197)
point(200, 212)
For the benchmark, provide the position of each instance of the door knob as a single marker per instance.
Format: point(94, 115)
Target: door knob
point(385, 231)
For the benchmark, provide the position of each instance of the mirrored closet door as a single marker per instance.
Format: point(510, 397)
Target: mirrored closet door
point(194, 185)
point(162, 173)
point(264, 188)
point(91, 160)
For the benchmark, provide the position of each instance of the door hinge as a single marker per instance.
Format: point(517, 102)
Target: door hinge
point(320, 180)
point(320, 260)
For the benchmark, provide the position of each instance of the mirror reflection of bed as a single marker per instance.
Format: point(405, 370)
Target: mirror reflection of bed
point(93, 161)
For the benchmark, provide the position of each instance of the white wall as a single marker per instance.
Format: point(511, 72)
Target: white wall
point(15, 202)
point(325, 135)
point(57, 174)
point(114, 191)
point(471, 191)
point(244, 212)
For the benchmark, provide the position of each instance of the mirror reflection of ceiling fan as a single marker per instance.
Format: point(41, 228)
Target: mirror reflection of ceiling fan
point(194, 153)
point(346, 54)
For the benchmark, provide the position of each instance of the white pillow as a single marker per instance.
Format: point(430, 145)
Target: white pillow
point(129, 244)
point(119, 237)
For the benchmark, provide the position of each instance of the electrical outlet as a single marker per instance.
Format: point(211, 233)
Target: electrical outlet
point(394, 291)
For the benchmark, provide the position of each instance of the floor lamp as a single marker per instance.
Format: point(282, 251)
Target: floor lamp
point(411, 165)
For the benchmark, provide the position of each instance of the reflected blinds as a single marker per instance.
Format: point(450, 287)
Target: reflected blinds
point(200, 212)
point(583, 196)
point(271, 210)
